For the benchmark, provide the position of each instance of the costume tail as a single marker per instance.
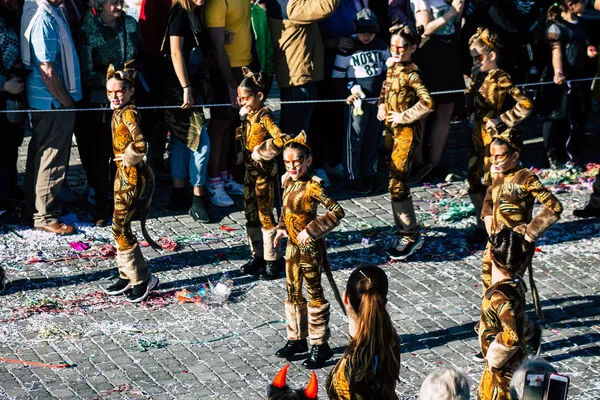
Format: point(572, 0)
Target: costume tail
point(535, 295)
point(144, 208)
point(329, 275)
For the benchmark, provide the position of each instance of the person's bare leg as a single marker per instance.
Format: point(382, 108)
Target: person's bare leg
point(439, 122)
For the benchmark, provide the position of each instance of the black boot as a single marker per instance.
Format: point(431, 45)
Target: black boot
point(319, 354)
point(253, 267)
point(272, 269)
point(198, 212)
point(587, 212)
point(292, 347)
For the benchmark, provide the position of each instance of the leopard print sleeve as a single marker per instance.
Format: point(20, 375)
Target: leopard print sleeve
point(521, 109)
point(323, 224)
point(385, 87)
point(136, 150)
point(551, 208)
point(423, 107)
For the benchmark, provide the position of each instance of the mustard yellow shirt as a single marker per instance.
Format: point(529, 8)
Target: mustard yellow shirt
point(233, 15)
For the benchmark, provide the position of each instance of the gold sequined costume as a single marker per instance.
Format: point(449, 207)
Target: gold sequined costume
point(485, 98)
point(300, 201)
point(403, 91)
point(133, 189)
point(260, 140)
point(501, 337)
point(350, 382)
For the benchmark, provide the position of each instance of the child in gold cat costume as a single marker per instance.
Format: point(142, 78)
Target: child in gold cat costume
point(509, 204)
point(501, 325)
point(305, 254)
point(403, 103)
point(485, 98)
point(260, 141)
point(134, 185)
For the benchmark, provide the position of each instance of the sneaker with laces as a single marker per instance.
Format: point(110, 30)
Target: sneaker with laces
point(141, 291)
point(405, 248)
point(232, 187)
point(218, 195)
point(323, 175)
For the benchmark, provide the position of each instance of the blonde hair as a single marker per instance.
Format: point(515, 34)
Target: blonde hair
point(485, 41)
point(189, 6)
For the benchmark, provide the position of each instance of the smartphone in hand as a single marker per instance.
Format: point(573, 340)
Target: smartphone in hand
point(558, 386)
point(535, 386)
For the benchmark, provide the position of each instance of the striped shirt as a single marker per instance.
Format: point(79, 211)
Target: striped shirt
point(364, 65)
point(45, 47)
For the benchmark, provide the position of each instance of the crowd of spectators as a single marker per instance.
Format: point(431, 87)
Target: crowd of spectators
point(55, 54)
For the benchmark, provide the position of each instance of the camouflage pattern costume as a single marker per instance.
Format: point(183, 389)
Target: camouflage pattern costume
point(300, 201)
point(501, 337)
point(403, 91)
point(260, 140)
point(485, 98)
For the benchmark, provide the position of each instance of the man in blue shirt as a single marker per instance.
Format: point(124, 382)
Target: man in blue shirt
point(54, 83)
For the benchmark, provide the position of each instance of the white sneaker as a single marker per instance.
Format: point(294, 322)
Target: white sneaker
point(323, 175)
point(91, 198)
point(232, 187)
point(218, 195)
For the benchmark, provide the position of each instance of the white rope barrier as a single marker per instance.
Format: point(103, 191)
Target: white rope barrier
point(272, 102)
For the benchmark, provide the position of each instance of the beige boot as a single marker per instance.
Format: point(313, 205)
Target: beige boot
point(255, 240)
point(274, 262)
point(318, 323)
point(296, 321)
point(132, 265)
point(405, 218)
point(271, 253)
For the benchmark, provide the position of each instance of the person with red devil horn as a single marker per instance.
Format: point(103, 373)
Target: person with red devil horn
point(279, 390)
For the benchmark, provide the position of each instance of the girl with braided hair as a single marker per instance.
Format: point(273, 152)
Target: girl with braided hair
point(404, 101)
point(370, 365)
point(485, 103)
point(259, 141)
point(133, 189)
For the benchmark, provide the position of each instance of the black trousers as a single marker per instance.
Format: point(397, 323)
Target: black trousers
point(94, 141)
point(12, 138)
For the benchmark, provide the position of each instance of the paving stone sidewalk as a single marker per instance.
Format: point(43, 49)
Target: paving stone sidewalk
point(54, 312)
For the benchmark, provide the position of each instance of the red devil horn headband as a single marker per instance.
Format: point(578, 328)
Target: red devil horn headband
point(280, 379)
point(312, 388)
